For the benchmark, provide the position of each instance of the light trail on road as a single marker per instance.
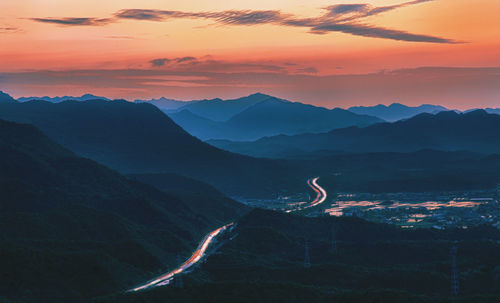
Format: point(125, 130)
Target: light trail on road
point(197, 255)
point(320, 195)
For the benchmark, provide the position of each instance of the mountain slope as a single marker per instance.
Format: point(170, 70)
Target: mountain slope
point(5, 98)
point(274, 116)
point(139, 138)
point(165, 104)
point(71, 229)
point(259, 115)
point(474, 131)
point(396, 111)
point(221, 110)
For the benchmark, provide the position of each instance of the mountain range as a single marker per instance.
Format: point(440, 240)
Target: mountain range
point(140, 139)
point(164, 103)
point(259, 115)
point(396, 111)
point(72, 229)
point(475, 131)
point(85, 97)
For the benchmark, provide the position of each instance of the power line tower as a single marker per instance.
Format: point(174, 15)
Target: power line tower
point(307, 259)
point(178, 278)
point(454, 271)
point(333, 248)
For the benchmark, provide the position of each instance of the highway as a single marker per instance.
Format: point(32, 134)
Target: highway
point(198, 254)
point(320, 195)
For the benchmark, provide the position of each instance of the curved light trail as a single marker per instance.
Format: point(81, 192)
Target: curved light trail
point(320, 195)
point(197, 255)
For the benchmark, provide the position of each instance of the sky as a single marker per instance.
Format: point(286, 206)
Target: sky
point(327, 53)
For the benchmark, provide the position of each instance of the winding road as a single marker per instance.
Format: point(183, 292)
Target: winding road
point(320, 195)
point(198, 254)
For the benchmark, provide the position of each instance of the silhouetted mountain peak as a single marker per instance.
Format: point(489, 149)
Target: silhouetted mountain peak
point(477, 113)
point(259, 95)
point(4, 97)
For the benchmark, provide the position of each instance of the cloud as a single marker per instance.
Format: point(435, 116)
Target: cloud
point(377, 32)
point(158, 62)
point(185, 59)
point(344, 18)
point(75, 21)
point(9, 29)
point(341, 9)
point(307, 70)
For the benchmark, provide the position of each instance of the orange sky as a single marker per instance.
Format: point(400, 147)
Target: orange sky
point(234, 45)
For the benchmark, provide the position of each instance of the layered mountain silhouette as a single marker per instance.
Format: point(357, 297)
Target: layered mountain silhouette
point(396, 111)
point(165, 104)
point(475, 131)
point(221, 110)
point(68, 224)
point(139, 138)
point(85, 97)
point(259, 115)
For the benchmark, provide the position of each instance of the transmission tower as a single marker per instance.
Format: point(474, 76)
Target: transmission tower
point(307, 259)
point(178, 278)
point(454, 271)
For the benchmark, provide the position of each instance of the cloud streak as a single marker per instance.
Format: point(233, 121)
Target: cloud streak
point(9, 29)
point(75, 21)
point(343, 18)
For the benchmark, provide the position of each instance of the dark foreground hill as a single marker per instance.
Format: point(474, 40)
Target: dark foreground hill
point(475, 131)
point(369, 263)
point(139, 138)
point(261, 115)
point(71, 229)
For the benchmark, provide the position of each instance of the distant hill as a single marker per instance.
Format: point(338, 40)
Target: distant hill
point(396, 111)
point(5, 97)
point(269, 116)
point(85, 97)
point(139, 138)
point(221, 110)
point(475, 131)
point(67, 223)
point(165, 104)
point(488, 110)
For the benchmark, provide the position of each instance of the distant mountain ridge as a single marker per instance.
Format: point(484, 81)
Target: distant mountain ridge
point(396, 111)
point(221, 110)
point(84, 97)
point(259, 115)
point(165, 104)
point(476, 131)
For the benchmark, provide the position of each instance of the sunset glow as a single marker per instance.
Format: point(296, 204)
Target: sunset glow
point(329, 53)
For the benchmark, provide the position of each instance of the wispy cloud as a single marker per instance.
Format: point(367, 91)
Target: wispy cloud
point(75, 21)
point(166, 61)
point(344, 18)
point(9, 29)
point(376, 32)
